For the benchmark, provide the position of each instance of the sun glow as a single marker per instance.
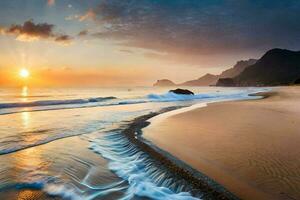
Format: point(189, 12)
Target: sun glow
point(24, 73)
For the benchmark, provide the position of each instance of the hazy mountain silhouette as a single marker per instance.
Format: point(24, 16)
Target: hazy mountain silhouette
point(164, 83)
point(207, 79)
point(237, 68)
point(276, 67)
point(210, 79)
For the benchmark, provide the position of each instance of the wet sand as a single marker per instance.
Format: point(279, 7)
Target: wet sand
point(250, 147)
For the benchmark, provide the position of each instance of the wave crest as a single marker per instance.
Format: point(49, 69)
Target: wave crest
point(54, 102)
point(170, 96)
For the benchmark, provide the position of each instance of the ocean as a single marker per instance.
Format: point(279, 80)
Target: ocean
point(67, 143)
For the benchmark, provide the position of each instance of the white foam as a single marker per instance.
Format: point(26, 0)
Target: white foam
point(63, 191)
point(130, 165)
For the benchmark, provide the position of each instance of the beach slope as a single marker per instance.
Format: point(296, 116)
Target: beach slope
point(251, 147)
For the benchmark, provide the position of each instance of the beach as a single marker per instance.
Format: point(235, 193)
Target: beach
point(248, 146)
point(79, 143)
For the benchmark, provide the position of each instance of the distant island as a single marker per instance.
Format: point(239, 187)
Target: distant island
point(275, 67)
point(164, 83)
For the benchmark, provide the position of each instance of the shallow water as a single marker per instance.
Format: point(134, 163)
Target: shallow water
point(68, 143)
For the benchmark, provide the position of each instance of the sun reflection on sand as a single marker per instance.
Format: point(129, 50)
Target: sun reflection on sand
point(30, 166)
point(29, 194)
point(29, 135)
point(29, 160)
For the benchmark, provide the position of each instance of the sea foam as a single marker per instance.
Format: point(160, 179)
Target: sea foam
point(145, 178)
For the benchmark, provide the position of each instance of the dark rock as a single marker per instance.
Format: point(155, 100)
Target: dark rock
point(182, 91)
point(297, 81)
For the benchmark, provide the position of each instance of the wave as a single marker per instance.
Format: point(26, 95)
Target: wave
point(9, 108)
point(149, 98)
point(144, 176)
point(170, 96)
point(234, 94)
point(55, 102)
point(55, 187)
point(141, 175)
point(7, 148)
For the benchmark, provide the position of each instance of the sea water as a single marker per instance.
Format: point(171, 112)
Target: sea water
point(67, 143)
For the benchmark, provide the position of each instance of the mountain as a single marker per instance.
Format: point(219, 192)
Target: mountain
point(164, 83)
point(276, 67)
point(206, 80)
point(237, 68)
point(210, 79)
point(228, 82)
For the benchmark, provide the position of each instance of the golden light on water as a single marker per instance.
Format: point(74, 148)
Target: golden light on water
point(25, 117)
point(24, 73)
point(24, 93)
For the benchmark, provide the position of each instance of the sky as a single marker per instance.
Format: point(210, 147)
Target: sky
point(136, 42)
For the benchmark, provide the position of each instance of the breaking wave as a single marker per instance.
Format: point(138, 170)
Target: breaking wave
point(145, 177)
point(54, 102)
point(7, 108)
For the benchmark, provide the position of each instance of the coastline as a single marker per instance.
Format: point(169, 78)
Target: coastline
point(167, 134)
point(202, 185)
point(161, 174)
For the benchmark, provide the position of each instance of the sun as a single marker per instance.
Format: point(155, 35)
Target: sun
point(24, 73)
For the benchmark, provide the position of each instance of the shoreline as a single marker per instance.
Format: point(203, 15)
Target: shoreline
point(200, 181)
point(204, 185)
point(179, 136)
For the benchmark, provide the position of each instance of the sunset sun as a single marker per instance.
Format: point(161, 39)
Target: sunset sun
point(24, 73)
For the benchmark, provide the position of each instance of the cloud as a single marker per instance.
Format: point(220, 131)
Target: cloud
point(198, 27)
point(64, 39)
point(30, 31)
point(51, 2)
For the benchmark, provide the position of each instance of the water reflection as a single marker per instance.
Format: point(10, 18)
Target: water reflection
point(29, 134)
point(29, 162)
point(25, 117)
point(30, 165)
point(24, 93)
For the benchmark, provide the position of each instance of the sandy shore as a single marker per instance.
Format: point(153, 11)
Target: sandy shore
point(250, 147)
